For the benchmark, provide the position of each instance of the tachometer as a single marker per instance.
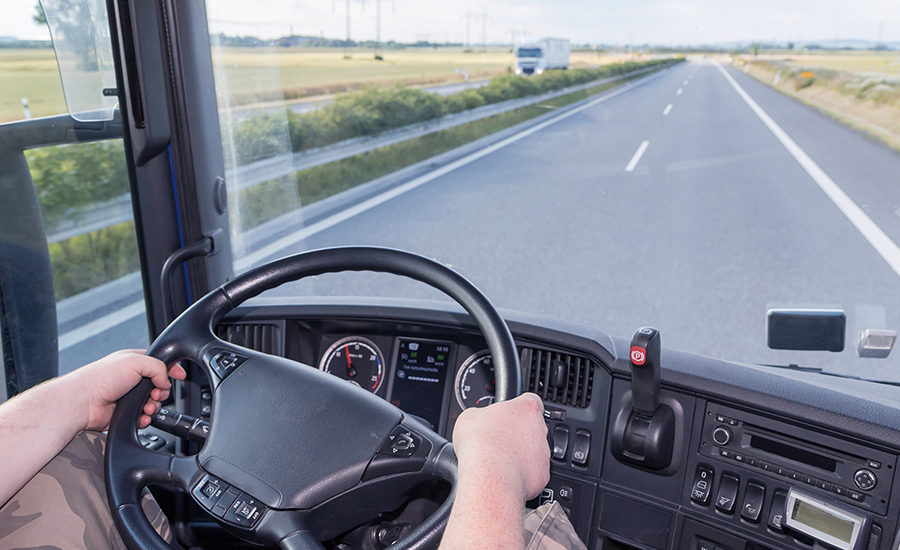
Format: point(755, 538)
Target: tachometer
point(475, 381)
point(356, 360)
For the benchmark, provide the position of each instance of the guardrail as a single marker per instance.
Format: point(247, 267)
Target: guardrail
point(119, 210)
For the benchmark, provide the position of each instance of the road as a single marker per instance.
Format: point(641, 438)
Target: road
point(671, 204)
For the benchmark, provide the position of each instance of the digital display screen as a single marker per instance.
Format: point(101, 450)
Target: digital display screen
point(420, 377)
point(822, 521)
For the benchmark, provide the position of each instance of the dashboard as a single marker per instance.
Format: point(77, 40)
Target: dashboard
point(763, 458)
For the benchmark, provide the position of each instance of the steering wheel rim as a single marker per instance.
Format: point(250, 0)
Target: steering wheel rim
point(130, 467)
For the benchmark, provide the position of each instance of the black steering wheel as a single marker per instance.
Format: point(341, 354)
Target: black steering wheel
point(295, 455)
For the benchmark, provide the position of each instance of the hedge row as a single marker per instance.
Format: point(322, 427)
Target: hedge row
point(372, 111)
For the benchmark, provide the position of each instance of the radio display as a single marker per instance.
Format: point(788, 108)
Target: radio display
point(419, 379)
point(823, 521)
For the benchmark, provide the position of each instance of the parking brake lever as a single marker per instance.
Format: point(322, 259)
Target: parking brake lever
point(645, 371)
point(643, 433)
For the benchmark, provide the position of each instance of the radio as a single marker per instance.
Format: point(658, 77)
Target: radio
point(837, 469)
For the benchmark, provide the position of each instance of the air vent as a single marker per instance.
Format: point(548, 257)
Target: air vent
point(259, 337)
point(558, 377)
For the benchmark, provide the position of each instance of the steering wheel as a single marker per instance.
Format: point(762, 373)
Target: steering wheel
point(295, 455)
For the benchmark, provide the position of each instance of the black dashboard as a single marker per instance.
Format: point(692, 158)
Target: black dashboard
point(744, 435)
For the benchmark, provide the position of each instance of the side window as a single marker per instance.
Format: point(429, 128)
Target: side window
point(82, 188)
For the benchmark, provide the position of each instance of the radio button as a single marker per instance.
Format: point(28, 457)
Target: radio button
point(809, 480)
point(858, 497)
point(797, 476)
point(721, 435)
point(874, 464)
point(754, 495)
point(725, 453)
point(752, 461)
point(766, 466)
point(781, 470)
point(823, 485)
point(728, 489)
point(840, 490)
point(865, 479)
point(732, 422)
point(739, 457)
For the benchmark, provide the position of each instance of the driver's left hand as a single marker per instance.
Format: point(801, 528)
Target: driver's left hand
point(105, 381)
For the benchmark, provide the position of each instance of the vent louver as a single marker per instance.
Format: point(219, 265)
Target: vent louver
point(258, 337)
point(560, 378)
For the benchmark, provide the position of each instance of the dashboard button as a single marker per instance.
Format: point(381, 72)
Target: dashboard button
point(728, 489)
point(721, 435)
point(776, 514)
point(781, 470)
point(703, 544)
point(565, 492)
point(858, 497)
point(739, 457)
point(752, 461)
point(702, 485)
point(725, 453)
point(809, 480)
point(797, 476)
point(581, 447)
point(843, 491)
point(754, 495)
point(874, 464)
point(560, 442)
point(865, 479)
point(822, 484)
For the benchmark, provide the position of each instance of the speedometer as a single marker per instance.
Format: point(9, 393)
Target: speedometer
point(356, 360)
point(475, 381)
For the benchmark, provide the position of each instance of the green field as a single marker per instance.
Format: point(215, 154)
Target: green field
point(249, 75)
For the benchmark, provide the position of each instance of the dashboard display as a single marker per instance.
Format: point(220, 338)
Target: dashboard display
point(419, 378)
point(829, 522)
point(357, 360)
point(475, 381)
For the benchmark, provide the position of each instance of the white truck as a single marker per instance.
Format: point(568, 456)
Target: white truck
point(543, 55)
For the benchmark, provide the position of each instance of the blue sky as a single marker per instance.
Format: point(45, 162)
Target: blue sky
point(644, 21)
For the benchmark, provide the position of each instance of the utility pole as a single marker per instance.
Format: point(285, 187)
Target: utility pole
point(468, 18)
point(484, 29)
point(377, 25)
point(348, 22)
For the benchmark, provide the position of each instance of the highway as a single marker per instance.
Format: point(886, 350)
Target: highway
point(673, 203)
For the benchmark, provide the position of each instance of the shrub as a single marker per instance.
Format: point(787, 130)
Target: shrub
point(804, 82)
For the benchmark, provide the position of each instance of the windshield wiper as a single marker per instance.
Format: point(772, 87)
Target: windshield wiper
point(818, 370)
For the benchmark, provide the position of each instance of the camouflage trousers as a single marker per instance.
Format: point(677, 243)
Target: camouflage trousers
point(548, 528)
point(64, 506)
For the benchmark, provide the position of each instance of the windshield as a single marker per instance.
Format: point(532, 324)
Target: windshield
point(675, 169)
point(529, 52)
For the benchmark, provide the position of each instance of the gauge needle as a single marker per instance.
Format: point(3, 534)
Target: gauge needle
point(351, 372)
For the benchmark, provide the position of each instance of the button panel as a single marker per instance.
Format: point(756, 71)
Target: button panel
point(228, 503)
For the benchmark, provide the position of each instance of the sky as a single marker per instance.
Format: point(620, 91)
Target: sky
point(658, 22)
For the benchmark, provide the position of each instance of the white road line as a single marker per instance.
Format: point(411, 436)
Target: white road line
point(637, 156)
point(100, 325)
point(668, 108)
point(298, 236)
point(130, 311)
point(679, 91)
point(876, 237)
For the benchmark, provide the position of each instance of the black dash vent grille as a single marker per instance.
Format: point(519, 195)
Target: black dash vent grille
point(259, 337)
point(560, 378)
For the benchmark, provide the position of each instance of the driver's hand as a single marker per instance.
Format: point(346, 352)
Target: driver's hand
point(104, 382)
point(505, 443)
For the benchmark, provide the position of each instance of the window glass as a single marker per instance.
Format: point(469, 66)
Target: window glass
point(660, 165)
point(82, 188)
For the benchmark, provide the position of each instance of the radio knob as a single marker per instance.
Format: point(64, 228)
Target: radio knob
point(865, 479)
point(721, 435)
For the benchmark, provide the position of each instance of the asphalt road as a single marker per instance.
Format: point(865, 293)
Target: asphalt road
point(714, 223)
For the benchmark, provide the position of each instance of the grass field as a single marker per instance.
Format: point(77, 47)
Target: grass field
point(245, 74)
point(850, 62)
point(32, 74)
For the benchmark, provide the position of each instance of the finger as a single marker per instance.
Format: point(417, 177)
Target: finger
point(533, 397)
point(156, 394)
point(151, 408)
point(177, 372)
point(154, 369)
point(143, 421)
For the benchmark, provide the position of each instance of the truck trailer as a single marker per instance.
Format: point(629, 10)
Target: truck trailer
point(543, 55)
